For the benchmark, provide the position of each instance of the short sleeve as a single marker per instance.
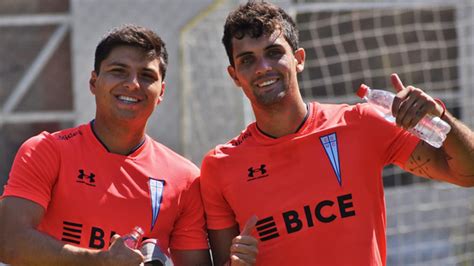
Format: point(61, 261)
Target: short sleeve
point(190, 228)
point(397, 143)
point(34, 170)
point(219, 215)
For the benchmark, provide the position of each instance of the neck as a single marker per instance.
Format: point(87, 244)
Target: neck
point(118, 138)
point(282, 119)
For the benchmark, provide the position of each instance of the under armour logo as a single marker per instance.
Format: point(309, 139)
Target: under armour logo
point(85, 178)
point(254, 173)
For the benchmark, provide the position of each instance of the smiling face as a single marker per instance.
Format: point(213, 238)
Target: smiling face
point(266, 68)
point(129, 85)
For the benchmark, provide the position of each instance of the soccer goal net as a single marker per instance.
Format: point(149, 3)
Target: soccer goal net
point(430, 45)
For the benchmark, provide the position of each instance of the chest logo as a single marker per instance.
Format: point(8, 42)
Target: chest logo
point(257, 172)
point(156, 197)
point(84, 178)
point(329, 143)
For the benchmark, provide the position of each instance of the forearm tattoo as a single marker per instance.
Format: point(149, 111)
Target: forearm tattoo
point(419, 165)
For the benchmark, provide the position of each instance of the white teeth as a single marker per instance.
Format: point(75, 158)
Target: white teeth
point(128, 99)
point(267, 83)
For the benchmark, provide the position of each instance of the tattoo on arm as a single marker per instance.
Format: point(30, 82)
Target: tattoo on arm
point(419, 165)
point(423, 164)
point(446, 156)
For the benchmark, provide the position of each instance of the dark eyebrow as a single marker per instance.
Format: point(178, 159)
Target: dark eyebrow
point(273, 46)
point(118, 64)
point(114, 63)
point(243, 54)
point(152, 70)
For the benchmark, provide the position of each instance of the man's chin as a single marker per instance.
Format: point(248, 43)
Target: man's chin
point(131, 117)
point(271, 99)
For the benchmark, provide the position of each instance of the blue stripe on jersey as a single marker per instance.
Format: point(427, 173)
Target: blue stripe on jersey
point(329, 143)
point(156, 196)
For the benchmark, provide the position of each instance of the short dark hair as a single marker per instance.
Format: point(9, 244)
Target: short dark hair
point(135, 36)
point(257, 18)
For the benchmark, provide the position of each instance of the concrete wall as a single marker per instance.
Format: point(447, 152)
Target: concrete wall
point(93, 18)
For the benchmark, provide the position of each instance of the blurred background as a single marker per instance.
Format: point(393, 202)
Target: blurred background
point(46, 56)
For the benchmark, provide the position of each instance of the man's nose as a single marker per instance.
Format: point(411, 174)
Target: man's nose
point(132, 81)
point(263, 66)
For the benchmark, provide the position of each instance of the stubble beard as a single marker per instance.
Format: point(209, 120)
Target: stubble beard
point(272, 97)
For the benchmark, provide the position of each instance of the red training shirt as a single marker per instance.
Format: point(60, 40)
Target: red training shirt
point(318, 193)
point(89, 193)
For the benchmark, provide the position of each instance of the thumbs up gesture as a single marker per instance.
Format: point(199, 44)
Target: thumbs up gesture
point(243, 251)
point(412, 104)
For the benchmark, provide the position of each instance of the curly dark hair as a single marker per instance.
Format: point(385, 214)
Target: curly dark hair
point(135, 36)
point(257, 18)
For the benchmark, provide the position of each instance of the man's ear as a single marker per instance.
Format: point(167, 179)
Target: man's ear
point(231, 71)
point(92, 81)
point(300, 56)
point(162, 93)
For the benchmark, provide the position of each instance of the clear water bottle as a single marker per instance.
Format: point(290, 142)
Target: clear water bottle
point(431, 129)
point(133, 239)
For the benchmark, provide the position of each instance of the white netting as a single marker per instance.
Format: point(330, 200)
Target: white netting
point(430, 45)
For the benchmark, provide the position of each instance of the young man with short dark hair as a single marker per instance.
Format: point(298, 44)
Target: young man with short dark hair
point(312, 172)
point(72, 193)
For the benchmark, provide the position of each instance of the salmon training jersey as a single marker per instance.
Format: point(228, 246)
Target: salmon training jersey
point(318, 193)
point(89, 194)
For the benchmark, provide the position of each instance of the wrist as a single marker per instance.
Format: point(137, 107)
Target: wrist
point(442, 105)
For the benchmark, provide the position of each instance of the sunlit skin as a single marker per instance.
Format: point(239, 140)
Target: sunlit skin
point(127, 72)
point(267, 59)
point(266, 69)
point(127, 89)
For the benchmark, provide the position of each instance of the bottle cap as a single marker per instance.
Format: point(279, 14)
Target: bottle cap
point(139, 230)
point(362, 91)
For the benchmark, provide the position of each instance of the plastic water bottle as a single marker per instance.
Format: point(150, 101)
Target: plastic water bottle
point(431, 129)
point(152, 253)
point(131, 240)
